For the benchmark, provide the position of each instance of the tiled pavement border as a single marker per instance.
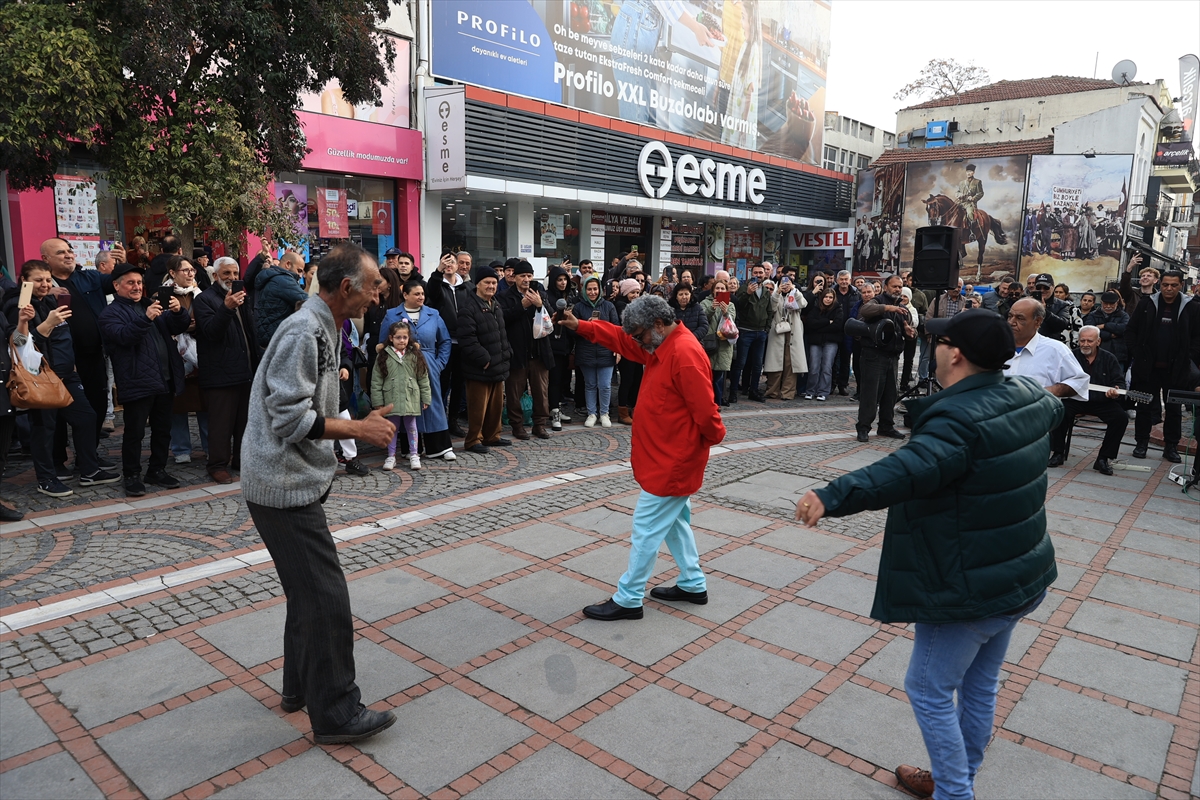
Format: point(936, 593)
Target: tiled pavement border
point(1175, 781)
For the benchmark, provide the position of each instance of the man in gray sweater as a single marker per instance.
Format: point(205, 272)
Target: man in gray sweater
point(288, 465)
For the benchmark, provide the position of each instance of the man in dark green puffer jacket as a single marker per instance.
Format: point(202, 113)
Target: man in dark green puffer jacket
point(965, 548)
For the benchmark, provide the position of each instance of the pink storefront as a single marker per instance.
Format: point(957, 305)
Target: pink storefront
point(361, 182)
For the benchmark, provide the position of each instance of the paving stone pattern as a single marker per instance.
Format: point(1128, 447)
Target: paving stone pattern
point(468, 625)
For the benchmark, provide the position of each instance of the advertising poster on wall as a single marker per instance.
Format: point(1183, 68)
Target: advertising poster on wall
point(1075, 218)
point(714, 246)
point(334, 220)
point(75, 208)
point(393, 108)
point(747, 73)
point(878, 215)
point(687, 249)
point(743, 249)
point(984, 198)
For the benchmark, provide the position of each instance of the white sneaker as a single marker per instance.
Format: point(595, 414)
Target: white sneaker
point(449, 456)
point(186, 458)
point(563, 416)
point(590, 422)
point(556, 420)
point(414, 462)
point(389, 462)
point(808, 397)
point(821, 398)
point(605, 422)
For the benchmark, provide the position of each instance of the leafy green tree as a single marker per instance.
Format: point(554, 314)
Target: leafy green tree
point(192, 102)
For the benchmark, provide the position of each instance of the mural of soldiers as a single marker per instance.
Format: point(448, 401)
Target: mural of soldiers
point(970, 192)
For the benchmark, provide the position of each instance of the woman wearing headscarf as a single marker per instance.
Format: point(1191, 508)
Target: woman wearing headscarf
point(785, 358)
point(630, 371)
point(559, 287)
point(595, 361)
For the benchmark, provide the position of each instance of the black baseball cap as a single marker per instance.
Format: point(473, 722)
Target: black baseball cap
point(982, 335)
point(392, 251)
point(1045, 279)
point(122, 270)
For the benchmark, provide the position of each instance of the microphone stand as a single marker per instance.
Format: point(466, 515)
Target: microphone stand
point(928, 385)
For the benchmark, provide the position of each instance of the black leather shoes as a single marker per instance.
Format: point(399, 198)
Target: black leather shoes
point(673, 594)
point(863, 437)
point(609, 611)
point(290, 703)
point(10, 514)
point(1171, 454)
point(480, 448)
point(758, 398)
point(365, 724)
point(892, 434)
point(1139, 450)
point(499, 443)
point(162, 478)
point(1102, 466)
point(1056, 460)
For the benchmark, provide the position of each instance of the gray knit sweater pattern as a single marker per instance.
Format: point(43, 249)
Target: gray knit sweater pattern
point(297, 381)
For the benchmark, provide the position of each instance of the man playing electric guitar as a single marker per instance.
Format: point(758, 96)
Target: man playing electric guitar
point(1104, 370)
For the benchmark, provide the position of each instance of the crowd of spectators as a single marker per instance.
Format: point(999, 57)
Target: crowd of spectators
point(179, 340)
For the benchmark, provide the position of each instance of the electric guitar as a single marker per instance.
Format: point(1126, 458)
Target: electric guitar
point(1135, 396)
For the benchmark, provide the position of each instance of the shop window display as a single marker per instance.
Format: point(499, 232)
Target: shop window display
point(556, 234)
point(333, 209)
point(475, 225)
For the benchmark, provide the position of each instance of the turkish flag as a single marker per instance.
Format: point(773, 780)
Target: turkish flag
point(381, 222)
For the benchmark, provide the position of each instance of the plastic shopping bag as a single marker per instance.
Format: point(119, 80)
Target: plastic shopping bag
point(727, 330)
point(543, 324)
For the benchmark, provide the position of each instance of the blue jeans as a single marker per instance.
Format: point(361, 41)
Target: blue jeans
point(597, 388)
point(963, 657)
point(655, 519)
point(181, 436)
point(751, 347)
point(923, 362)
point(636, 28)
point(820, 368)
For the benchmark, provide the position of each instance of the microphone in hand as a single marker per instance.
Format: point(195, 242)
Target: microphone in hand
point(560, 306)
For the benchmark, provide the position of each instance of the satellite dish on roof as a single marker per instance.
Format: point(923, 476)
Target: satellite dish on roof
point(1124, 72)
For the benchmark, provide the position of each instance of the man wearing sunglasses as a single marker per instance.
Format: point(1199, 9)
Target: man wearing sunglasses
point(965, 550)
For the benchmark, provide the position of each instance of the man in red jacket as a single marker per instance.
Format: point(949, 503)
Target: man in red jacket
point(670, 447)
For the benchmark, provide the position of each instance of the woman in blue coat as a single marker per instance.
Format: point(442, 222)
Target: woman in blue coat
point(434, 338)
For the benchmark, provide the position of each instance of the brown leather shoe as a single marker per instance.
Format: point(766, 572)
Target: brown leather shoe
point(540, 432)
point(519, 432)
point(623, 416)
point(917, 781)
point(220, 475)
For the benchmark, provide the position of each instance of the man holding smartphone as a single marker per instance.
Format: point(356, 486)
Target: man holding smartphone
point(148, 370)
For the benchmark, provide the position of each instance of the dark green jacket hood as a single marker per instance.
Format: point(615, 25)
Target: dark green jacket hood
point(966, 529)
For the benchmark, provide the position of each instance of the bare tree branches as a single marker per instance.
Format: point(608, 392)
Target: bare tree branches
point(944, 77)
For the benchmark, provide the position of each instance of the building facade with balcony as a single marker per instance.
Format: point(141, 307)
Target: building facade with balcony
point(850, 145)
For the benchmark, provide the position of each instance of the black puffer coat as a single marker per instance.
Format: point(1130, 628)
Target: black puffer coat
point(484, 351)
point(227, 350)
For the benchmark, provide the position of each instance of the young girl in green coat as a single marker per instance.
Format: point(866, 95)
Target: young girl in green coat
point(401, 378)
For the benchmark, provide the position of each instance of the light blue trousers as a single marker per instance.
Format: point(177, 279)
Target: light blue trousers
point(654, 520)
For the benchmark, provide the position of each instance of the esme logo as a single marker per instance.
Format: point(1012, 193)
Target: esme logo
point(710, 178)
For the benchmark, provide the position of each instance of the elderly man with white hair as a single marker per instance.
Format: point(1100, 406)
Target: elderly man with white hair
point(228, 354)
point(1102, 369)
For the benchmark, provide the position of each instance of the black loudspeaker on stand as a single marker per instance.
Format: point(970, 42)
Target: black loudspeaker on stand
point(935, 257)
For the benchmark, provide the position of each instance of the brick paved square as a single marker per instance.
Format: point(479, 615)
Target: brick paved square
point(1083, 528)
point(667, 736)
point(1023, 636)
point(1150, 597)
point(1175, 506)
point(22, 729)
point(555, 773)
point(628, 501)
point(603, 521)
point(1049, 605)
point(550, 678)
point(862, 458)
point(471, 564)
point(866, 561)
point(1074, 550)
point(731, 523)
point(544, 540)
point(609, 563)
point(198, 741)
point(441, 736)
point(761, 566)
point(815, 544)
point(1010, 770)
point(389, 592)
point(746, 676)
point(1135, 630)
point(1159, 523)
point(312, 775)
point(1102, 494)
point(726, 600)
point(56, 777)
point(378, 672)
point(1068, 577)
point(1156, 568)
point(546, 595)
point(1086, 509)
point(839, 590)
point(870, 725)
point(770, 488)
point(112, 688)
point(251, 638)
point(1093, 728)
point(1150, 683)
point(787, 772)
point(811, 632)
point(704, 543)
point(1162, 545)
point(646, 641)
point(457, 632)
point(890, 664)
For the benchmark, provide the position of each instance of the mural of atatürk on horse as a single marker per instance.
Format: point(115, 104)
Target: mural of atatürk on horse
point(982, 197)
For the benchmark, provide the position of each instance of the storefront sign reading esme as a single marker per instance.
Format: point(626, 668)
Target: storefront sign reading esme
point(708, 177)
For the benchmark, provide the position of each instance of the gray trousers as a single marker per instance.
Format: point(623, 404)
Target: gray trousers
point(318, 637)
